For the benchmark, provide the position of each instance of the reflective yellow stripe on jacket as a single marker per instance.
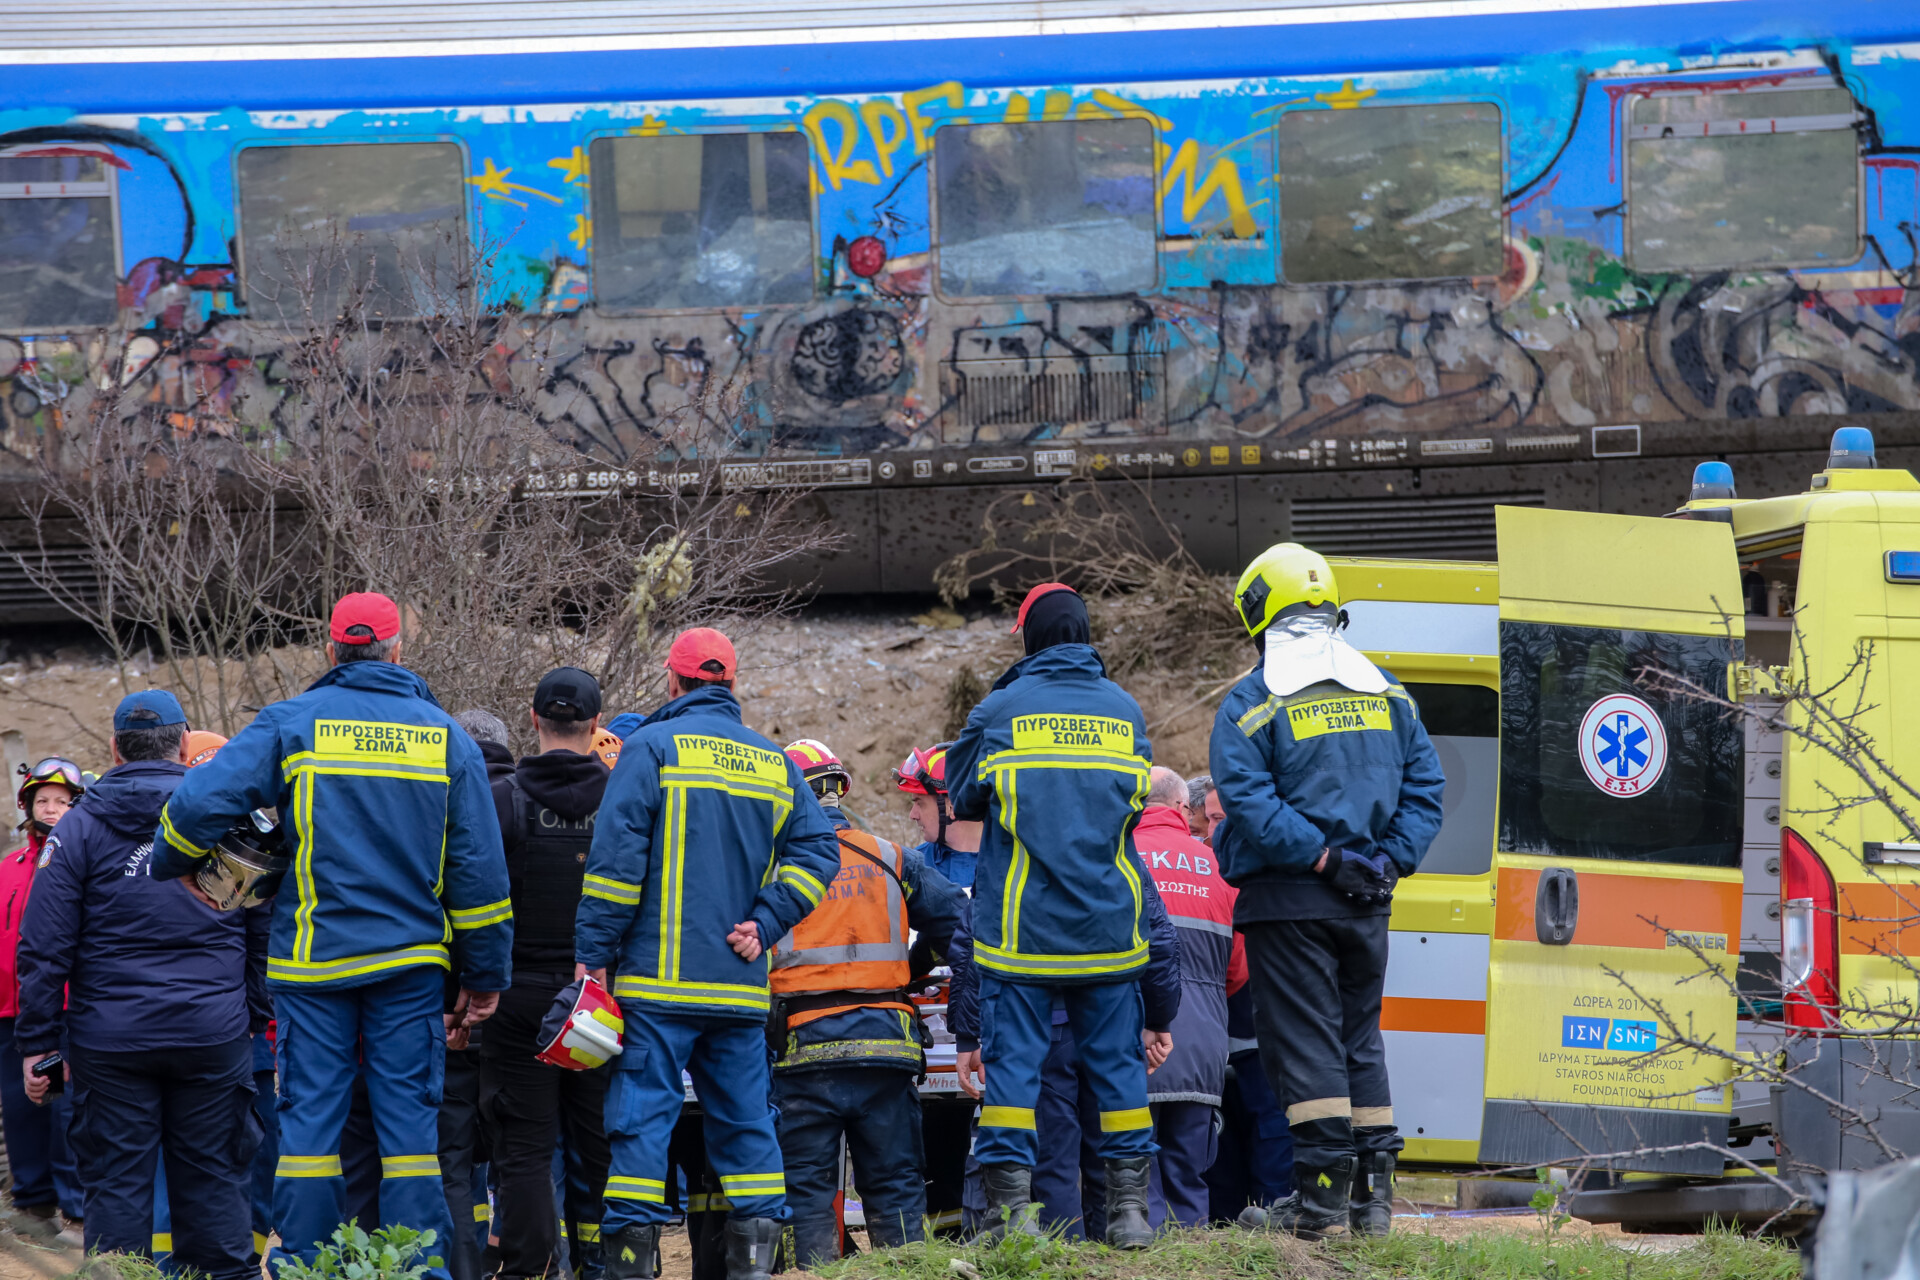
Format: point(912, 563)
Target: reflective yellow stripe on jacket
point(1005, 766)
point(672, 991)
point(699, 768)
point(286, 970)
point(349, 749)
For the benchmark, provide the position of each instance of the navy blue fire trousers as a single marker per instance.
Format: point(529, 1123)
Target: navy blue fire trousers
point(878, 1109)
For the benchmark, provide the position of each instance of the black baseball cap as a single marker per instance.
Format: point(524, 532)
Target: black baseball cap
point(567, 693)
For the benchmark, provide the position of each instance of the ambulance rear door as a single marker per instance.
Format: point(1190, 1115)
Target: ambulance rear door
point(1617, 862)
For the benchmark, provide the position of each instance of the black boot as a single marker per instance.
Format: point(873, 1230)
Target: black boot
point(1318, 1205)
point(750, 1245)
point(633, 1253)
point(1127, 1226)
point(1371, 1211)
point(1009, 1199)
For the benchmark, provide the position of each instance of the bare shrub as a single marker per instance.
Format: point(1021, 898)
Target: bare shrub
point(403, 456)
point(1155, 612)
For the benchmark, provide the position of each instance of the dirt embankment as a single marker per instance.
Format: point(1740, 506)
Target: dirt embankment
point(871, 684)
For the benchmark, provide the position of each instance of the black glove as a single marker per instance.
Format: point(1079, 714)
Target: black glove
point(1361, 878)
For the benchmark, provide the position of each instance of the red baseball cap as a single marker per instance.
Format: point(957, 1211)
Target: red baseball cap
point(1044, 589)
point(701, 654)
point(369, 609)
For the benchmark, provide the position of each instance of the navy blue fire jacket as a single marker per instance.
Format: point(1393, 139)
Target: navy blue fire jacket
point(705, 824)
point(1161, 983)
point(1322, 768)
point(1055, 761)
point(396, 845)
point(141, 962)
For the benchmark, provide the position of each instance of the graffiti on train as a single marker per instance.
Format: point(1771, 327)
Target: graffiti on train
point(950, 267)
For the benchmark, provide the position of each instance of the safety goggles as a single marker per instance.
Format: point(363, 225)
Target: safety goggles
point(54, 769)
point(923, 771)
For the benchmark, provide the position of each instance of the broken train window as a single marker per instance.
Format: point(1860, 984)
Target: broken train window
point(1391, 193)
point(702, 220)
point(1062, 207)
point(1743, 178)
point(59, 254)
point(346, 225)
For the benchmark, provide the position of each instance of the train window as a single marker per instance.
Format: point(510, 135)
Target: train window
point(58, 251)
point(341, 226)
point(702, 220)
point(1391, 193)
point(1060, 207)
point(1755, 179)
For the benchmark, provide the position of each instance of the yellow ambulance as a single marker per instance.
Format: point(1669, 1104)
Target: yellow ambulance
point(1592, 939)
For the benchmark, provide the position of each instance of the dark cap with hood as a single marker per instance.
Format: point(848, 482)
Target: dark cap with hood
point(1057, 617)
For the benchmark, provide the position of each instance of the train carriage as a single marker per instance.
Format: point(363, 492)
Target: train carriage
point(1353, 273)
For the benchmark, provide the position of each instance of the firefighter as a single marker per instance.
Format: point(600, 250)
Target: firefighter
point(1331, 792)
point(846, 1038)
point(1055, 761)
point(708, 849)
point(396, 852)
point(951, 846)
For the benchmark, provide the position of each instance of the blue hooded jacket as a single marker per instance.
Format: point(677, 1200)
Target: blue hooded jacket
point(396, 846)
point(139, 961)
point(1055, 761)
point(1323, 768)
point(705, 824)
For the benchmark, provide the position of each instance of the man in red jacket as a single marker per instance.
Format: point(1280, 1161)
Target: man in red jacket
point(1184, 1094)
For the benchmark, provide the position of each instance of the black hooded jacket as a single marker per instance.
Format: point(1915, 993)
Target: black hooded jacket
point(547, 830)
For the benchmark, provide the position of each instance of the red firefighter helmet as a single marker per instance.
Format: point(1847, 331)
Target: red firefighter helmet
point(582, 1029)
point(819, 766)
point(924, 771)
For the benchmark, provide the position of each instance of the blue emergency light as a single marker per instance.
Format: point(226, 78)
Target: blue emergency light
point(1712, 480)
point(1903, 566)
point(1852, 447)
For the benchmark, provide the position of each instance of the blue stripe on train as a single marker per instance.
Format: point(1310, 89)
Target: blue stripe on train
point(649, 75)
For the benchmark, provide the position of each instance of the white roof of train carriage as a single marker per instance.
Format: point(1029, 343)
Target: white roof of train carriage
point(66, 31)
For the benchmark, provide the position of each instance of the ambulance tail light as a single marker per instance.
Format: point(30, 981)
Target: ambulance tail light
point(1809, 936)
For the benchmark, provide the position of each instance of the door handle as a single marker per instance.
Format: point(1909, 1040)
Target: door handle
point(1556, 906)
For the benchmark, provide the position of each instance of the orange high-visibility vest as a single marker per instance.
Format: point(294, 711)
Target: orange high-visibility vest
point(856, 939)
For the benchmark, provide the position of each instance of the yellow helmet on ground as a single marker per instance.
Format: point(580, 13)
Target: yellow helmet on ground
point(1280, 577)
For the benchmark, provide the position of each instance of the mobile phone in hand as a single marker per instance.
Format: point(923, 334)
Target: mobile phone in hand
point(53, 1069)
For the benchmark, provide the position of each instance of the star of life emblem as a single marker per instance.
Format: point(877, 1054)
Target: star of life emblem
point(1623, 745)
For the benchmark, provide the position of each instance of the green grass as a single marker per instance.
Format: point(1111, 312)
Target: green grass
point(1406, 1255)
point(1719, 1255)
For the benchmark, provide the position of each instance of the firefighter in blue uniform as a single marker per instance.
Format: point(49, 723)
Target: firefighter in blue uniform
point(1055, 760)
point(1332, 793)
point(397, 877)
point(709, 847)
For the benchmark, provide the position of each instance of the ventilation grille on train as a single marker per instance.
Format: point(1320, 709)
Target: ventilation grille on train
point(1028, 393)
point(1437, 528)
point(23, 599)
